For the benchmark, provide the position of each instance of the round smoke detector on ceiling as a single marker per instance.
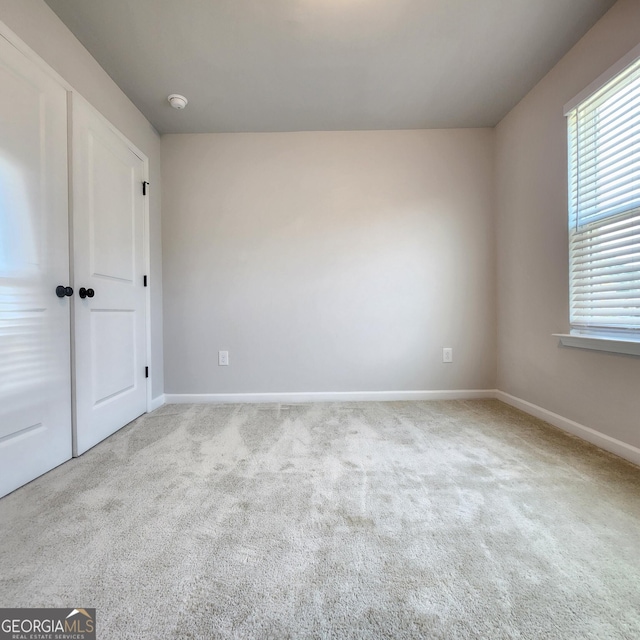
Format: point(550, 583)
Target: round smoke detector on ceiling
point(177, 101)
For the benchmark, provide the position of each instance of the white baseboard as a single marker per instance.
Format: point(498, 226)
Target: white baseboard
point(622, 449)
point(326, 396)
point(157, 402)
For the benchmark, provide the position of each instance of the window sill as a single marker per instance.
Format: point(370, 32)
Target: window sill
point(617, 344)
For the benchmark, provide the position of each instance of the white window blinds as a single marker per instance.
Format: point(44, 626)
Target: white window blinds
point(604, 206)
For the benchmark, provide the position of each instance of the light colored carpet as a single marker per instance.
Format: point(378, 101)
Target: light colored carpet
point(378, 520)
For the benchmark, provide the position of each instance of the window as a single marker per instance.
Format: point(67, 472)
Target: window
point(604, 205)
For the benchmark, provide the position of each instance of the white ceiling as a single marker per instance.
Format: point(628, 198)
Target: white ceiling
point(297, 65)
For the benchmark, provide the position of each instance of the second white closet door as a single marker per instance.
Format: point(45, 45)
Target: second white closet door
point(108, 267)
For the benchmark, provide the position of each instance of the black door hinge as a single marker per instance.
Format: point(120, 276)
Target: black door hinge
point(145, 184)
point(145, 280)
point(146, 372)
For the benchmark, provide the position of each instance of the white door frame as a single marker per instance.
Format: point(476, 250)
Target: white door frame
point(23, 47)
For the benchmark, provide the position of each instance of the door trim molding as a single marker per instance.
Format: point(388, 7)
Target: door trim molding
point(157, 402)
point(15, 40)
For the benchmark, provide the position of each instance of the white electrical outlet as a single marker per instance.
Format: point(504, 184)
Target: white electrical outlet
point(223, 358)
point(447, 354)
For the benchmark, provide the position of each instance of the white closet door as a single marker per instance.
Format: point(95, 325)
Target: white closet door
point(108, 250)
point(35, 368)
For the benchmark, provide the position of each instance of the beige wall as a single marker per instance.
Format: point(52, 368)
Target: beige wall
point(35, 23)
point(340, 261)
point(596, 389)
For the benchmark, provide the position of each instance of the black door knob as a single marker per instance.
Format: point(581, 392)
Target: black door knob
point(61, 291)
point(86, 293)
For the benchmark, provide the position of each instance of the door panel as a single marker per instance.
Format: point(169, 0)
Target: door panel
point(35, 374)
point(112, 177)
point(108, 233)
point(113, 339)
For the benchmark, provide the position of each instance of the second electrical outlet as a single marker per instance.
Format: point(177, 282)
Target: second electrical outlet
point(447, 354)
point(223, 358)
